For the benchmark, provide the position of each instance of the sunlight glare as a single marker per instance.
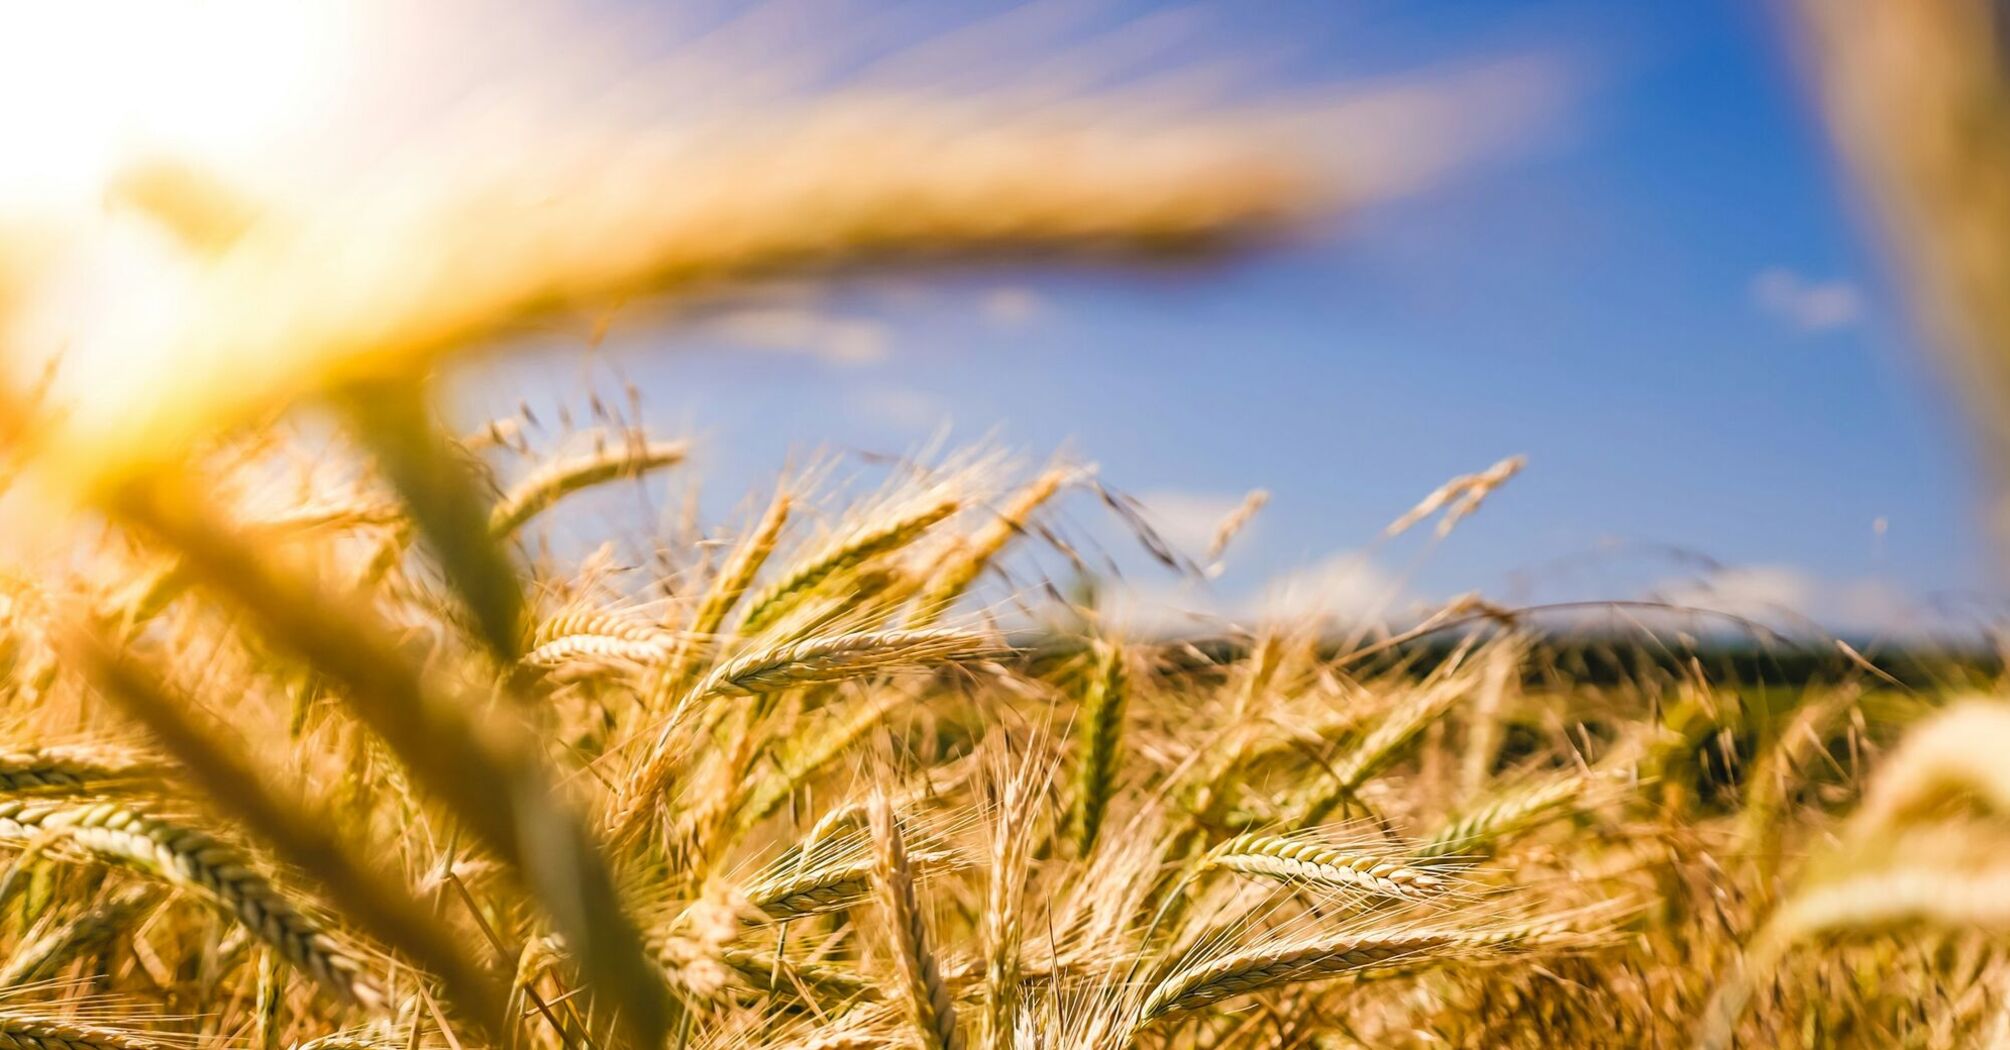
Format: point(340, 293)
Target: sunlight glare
point(85, 85)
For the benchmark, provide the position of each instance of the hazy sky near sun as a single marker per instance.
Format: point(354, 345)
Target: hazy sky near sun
point(1662, 296)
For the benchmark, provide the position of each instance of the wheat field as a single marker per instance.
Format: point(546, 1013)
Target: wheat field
point(313, 738)
point(277, 777)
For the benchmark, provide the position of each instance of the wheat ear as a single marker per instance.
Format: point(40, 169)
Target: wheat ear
point(1320, 958)
point(766, 972)
point(193, 859)
point(348, 514)
point(929, 1008)
point(96, 926)
point(1379, 747)
point(800, 763)
point(839, 657)
point(799, 890)
point(595, 649)
point(831, 658)
point(1921, 892)
point(1004, 898)
point(556, 480)
point(1504, 814)
point(1318, 864)
point(345, 1041)
point(71, 770)
point(32, 1033)
point(728, 586)
point(844, 552)
point(1102, 720)
point(606, 623)
point(970, 557)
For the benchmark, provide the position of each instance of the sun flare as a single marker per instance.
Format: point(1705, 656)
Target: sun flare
point(86, 86)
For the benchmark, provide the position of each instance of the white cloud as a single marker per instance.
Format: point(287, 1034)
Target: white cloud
point(902, 407)
point(1429, 127)
point(1012, 307)
point(801, 329)
point(1342, 591)
point(1807, 304)
point(1798, 602)
point(1188, 520)
point(1344, 588)
point(1161, 608)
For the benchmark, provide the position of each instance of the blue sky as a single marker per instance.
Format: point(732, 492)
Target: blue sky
point(1665, 299)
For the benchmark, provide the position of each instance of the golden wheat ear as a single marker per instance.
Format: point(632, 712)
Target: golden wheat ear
point(90, 930)
point(841, 554)
point(1307, 861)
point(1017, 784)
point(1397, 730)
point(969, 557)
point(931, 1012)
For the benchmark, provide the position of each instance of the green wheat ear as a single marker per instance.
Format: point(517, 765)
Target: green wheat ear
point(1105, 698)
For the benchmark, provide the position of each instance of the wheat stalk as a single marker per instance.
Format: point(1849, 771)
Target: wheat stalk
point(489, 772)
point(447, 500)
point(380, 905)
